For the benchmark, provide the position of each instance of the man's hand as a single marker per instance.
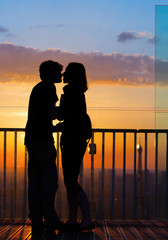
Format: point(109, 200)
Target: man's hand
point(58, 127)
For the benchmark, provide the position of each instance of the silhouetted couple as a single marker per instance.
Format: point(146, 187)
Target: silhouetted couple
point(42, 171)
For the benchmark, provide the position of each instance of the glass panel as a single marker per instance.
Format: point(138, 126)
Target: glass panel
point(161, 67)
point(161, 81)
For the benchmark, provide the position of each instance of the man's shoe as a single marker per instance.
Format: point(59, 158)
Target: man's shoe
point(59, 226)
point(71, 227)
point(38, 227)
point(38, 235)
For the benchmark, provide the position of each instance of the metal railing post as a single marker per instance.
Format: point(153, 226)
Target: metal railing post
point(135, 181)
point(156, 175)
point(15, 172)
point(113, 178)
point(167, 175)
point(146, 182)
point(58, 147)
point(58, 200)
point(92, 177)
point(102, 177)
point(4, 176)
point(124, 175)
point(25, 186)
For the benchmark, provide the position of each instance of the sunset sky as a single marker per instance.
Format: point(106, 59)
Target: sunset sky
point(114, 39)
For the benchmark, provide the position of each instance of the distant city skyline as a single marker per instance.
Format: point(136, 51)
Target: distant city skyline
point(102, 198)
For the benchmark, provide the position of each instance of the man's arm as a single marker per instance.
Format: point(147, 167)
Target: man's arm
point(53, 113)
point(52, 99)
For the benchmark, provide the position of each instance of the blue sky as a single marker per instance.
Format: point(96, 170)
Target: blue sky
point(80, 26)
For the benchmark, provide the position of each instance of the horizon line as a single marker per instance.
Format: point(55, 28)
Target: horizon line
point(155, 109)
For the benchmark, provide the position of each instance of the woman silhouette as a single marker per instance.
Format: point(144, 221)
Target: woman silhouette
point(72, 110)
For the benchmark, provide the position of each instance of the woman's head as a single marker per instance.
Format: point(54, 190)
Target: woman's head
point(75, 74)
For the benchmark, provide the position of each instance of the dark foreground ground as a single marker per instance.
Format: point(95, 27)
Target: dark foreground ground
point(143, 229)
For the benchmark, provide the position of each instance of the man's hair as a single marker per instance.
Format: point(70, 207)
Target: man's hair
point(47, 67)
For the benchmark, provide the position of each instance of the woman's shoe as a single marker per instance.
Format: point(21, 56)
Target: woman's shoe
point(87, 227)
point(57, 226)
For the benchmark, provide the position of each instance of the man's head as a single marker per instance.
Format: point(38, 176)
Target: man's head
point(50, 71)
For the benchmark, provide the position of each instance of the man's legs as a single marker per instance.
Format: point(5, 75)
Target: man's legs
point(49, 183)
point(34, 188)
point(43, 183)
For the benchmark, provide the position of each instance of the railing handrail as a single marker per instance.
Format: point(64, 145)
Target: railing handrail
point(123, 130)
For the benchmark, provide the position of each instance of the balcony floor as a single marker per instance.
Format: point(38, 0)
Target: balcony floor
point(117, 229)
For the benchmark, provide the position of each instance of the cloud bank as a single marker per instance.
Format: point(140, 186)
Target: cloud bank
point(21, 64)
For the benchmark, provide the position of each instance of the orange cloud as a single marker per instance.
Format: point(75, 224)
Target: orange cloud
point(20, 63)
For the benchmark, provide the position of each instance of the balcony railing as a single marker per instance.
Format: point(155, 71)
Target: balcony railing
point(112, 191)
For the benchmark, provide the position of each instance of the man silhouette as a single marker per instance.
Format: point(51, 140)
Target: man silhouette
point(42, 172)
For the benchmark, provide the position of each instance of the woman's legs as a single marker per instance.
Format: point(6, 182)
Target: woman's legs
point(73, 208)
point(71, 167)
point(84, 206)
point(79, 200)
point(71, 162)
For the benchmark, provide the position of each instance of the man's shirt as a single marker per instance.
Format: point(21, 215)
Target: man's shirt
point(39, 125)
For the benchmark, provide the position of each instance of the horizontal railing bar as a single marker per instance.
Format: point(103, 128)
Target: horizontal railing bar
point(103, 130)
point(12, 129)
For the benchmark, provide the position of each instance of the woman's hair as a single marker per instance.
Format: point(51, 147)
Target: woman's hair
point(77, 74)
